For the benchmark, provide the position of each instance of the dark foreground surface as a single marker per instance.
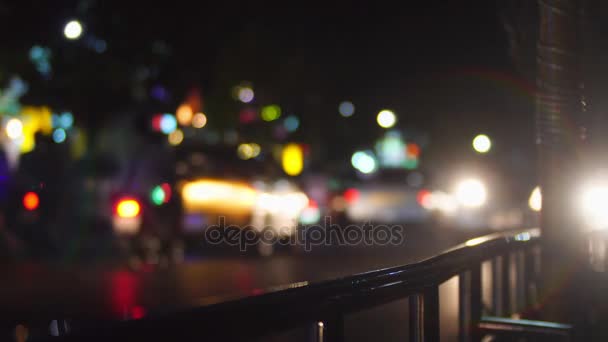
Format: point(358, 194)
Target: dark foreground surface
point(36, 290)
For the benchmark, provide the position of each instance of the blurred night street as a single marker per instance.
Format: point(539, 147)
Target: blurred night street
point(351, 170)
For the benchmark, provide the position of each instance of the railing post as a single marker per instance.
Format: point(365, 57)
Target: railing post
point(531, 257)
point(331, 330)
point(469, 302)
point(464, 306)
point(424, 315)
point(500, 285)
point(317, 331)
point(496, 286)
point(476, 306)
point(505, 271)
point(416, 318)
point(520, 283)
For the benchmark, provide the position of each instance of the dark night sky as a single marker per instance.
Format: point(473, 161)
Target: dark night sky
point(443, 66)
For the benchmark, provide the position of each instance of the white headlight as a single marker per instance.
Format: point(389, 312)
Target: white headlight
point(594, 205)
point(471, 193)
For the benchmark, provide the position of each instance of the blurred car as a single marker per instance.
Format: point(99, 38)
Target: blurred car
point(218, 189)
point(387, 198)
point(384, 203)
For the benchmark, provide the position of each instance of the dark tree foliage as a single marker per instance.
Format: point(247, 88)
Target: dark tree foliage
point(520, 21)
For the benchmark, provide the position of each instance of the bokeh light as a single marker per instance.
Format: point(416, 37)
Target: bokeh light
point(244, 151)
point(536, 199)
point(245, 94)
point(184, 114)
point(482, 143)
point(471, 193)
point(176, 137)
point(14, 129)
point(364, 161)
point(256, 149)
point(128, 208)
point(247, 151)
point(167, 191)
point(311, 214)
point(291, 123)
point(386, 118)
point(59, 135)
point(157, 196)
point(72, 30)
point(346, 109)
point(248, 115)
point(594, 206)
point(100, 46)
point(199, 120)
point(156, 119)
point(31, 201)
point(413, 151)
point(292, 158)
point(271, 113)
point(66, 120)
point(351, 195)
point(167, 123)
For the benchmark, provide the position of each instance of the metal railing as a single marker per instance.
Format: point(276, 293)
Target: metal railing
point(514, 259)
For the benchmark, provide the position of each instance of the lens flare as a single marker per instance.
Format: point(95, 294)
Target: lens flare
point(471, 193)
point(595, 206)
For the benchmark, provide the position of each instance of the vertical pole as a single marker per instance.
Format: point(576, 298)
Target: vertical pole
point(505, 277)
point(424, 315)
point(333, 330)
point(497, 287)
point(464, 306)
point(431, 313)
point(476, 306)
point(416, 318)
point(560, 138)
point(520, 285)
point(317, 330)
point(469, 302)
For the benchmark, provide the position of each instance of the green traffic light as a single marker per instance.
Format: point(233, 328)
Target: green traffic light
point(157, 196)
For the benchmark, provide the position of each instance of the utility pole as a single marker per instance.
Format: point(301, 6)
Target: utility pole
point(561, 140)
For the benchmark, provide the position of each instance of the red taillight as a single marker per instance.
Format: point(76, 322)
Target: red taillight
point(167, 190)
point(31, 201)
point(138, 312)
point(313, 204)
point(127, 208)
point(351, 195)
point(423, 197)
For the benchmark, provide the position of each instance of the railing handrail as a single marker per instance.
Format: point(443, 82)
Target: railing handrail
point(288, 306)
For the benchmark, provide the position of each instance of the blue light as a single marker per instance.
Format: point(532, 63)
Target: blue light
point(36, 52)
point(100, 46)
point(160, 93)
point(66, 120)
point(59, 135)
point(40, 56)
point(168, 124)
point(291, 123)
point(346, 109)
point(55, 120)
